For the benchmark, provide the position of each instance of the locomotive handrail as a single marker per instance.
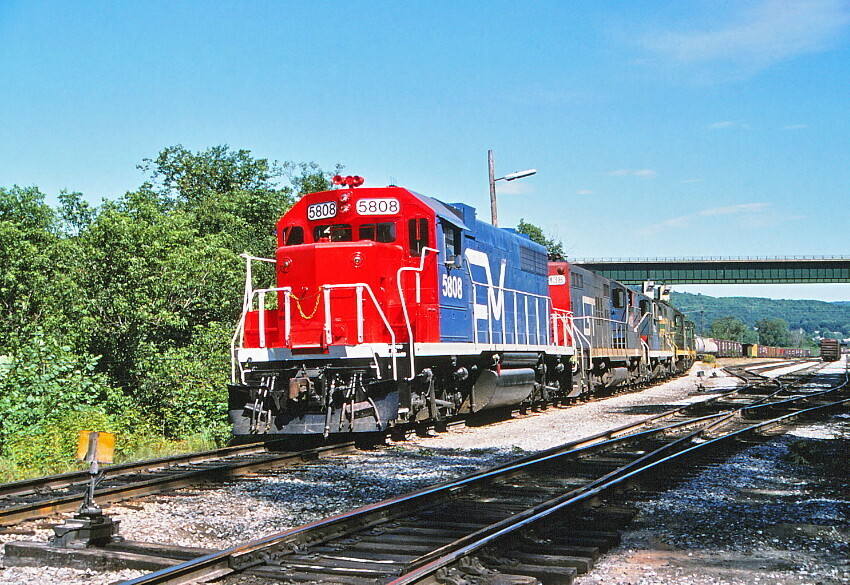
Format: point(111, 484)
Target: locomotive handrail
point(247, 299)
point(239, 334)
point(593, 319)
point(249, 277)
point(403, 302)
point(564, 318)
point(515, 292)
point(358, 287)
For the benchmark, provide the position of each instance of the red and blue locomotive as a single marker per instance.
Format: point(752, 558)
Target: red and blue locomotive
point(392, 308)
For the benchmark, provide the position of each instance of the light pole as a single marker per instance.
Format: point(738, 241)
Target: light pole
point(512, 177)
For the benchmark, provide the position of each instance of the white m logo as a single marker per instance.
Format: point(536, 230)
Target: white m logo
point(495, 296)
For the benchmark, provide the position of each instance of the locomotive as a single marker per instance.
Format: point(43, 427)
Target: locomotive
point(392, 309)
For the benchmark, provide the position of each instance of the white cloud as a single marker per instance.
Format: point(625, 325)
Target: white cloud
point(514, 187)
point(762, 33)
point(585, 192)
point(736, 209)
point(728, 124)
point(796, 127)
point(642, 173)
point(747, 213)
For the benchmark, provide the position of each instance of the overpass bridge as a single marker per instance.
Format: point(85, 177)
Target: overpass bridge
point(722, 270)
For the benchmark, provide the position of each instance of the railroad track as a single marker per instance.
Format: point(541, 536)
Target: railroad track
point(45, 496)
point(525, 521)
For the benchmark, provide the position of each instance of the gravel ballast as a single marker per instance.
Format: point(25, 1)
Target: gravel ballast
point(243, 510)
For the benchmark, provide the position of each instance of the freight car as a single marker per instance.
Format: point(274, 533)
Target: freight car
point(391, 309)
point(727, 348)
point(830, 350)
point(705, 346)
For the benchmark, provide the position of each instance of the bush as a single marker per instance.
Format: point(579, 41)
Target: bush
point(52, 447)
point(708, 359)
point(43, 382)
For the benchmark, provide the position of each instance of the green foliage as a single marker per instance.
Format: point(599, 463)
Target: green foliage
point(309, 177)
point(708, 359)
point(730, 328)
point(554, 247)
point(151, 283)
point(812, 317)
point(41, 380)
point(30, 258)
point(773, 332)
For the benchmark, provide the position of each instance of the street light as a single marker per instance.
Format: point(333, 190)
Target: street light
point(511, 177)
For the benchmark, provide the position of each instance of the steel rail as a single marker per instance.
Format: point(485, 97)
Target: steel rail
point(464, 548)
point(71, 478)
point(275, 547)
point(248, 554)
point(134, 489)
point(278, 545)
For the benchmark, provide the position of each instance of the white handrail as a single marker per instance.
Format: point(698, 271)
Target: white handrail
point(421, 267)
point(359, 287)
point(526, 313)
point(239, 334)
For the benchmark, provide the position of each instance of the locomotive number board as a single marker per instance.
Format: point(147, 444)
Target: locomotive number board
point(383, 206)
point(322, 210)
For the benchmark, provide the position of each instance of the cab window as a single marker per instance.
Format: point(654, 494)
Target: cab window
point(334, 233)
point(417, 230)
point(619, 298)
point(451, 237)
point(292, 236)
point(645, 307)
point(377, 232)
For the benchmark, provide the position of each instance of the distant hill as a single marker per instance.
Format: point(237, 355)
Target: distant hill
point(811, 316)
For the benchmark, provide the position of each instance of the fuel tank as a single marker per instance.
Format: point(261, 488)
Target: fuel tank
point(495, 389)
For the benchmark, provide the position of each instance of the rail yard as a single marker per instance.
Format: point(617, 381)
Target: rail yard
point(424, 461)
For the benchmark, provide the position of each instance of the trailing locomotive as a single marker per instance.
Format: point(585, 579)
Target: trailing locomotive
point(392, 308)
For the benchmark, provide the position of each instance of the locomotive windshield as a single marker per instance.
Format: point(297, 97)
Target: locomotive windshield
point(293, 235)
point(377, 232)
point(340, 232)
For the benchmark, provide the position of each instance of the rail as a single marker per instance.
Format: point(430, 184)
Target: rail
point(258, 296)
point(418, 271)
point(43, 496)
point(320, 550)
point(358, 287)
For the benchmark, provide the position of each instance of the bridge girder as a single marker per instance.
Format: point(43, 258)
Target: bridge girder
point(722, 270)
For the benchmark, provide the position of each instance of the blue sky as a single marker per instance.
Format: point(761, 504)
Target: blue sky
point(658, 129)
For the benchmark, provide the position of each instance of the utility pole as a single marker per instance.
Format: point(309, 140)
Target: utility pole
point(493, 215)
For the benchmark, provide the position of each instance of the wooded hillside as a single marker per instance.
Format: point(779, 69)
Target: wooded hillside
point(814, 317)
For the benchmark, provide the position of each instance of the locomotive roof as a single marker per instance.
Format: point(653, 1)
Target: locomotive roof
point(442, 210)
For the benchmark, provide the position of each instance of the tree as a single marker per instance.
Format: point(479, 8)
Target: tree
point(555, 248)
point(226, 192)
point(32, 267)
point(773, 332)
point(133, 303)
point(730, 328)
point(309, 177)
